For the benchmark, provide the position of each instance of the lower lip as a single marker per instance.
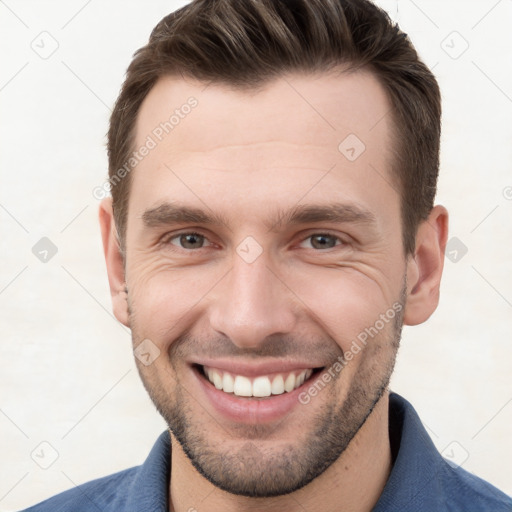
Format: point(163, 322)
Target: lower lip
point(251, 410)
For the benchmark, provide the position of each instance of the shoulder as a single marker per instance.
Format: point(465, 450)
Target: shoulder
point(105, 494)
point(422, 480)
point(143, 487)
point(464, 488)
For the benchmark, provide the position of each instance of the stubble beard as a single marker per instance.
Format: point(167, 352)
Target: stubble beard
point(258, 472)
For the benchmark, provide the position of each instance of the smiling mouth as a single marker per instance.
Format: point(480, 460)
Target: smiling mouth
point(261, 386)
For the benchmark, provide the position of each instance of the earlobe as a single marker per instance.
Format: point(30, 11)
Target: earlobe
point(425, 267)
point(114, 261)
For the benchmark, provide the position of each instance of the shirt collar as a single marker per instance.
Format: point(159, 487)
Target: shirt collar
point(413, 482)
point(149, 490)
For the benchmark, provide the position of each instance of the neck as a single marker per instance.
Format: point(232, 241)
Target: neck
point(351, 484)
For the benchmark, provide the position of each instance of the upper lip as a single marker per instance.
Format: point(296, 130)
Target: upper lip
point(254, 368)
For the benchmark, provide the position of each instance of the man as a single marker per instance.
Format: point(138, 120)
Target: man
point(273, 168)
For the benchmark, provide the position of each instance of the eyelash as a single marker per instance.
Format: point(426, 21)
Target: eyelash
point(167, 241)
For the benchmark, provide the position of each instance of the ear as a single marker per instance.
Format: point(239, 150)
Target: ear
point(114, 261)
point(425, 268)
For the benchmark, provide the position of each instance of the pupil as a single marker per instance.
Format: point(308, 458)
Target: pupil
point(322, 241)
point(190, 240)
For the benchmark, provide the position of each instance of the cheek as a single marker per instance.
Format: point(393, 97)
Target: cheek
point(344, 301)
point(164, 300)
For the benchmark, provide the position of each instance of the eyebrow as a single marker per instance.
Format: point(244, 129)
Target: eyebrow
point(334, 212)
point(169, 214)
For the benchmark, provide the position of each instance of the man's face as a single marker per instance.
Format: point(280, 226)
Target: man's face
point(266, 281)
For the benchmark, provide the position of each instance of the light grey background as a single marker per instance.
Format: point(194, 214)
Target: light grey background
point(67, 373)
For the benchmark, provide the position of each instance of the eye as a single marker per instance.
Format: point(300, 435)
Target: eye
point(188, 240)
point(322, 241)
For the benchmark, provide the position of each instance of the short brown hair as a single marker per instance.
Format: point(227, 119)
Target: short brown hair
point(247, 43)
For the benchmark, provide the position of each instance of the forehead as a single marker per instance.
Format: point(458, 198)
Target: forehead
point(321, 132)
point(327, 104)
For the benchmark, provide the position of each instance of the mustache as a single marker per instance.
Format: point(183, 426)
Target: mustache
point(325, 350)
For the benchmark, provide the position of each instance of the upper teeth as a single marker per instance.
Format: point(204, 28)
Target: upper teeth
point(259, 386)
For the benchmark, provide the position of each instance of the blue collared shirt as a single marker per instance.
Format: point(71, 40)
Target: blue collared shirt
point(420, 481)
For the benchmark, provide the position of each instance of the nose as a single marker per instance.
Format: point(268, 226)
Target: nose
point(252, 302)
